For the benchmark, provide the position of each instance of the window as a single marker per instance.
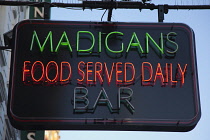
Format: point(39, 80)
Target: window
point(2, 89)
point(2, 56)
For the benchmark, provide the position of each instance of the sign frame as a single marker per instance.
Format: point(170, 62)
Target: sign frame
point(97, 123)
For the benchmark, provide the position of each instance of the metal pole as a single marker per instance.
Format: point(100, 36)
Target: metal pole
point(46, 10)
point(105, 5)
point(110, 13)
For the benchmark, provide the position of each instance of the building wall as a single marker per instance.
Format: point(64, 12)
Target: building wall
point(9, 16)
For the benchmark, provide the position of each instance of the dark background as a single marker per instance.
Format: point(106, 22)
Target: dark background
point(156, 104)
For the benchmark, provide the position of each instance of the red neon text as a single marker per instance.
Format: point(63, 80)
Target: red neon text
point(39, 73)
point(92, 72)
point(165, 75)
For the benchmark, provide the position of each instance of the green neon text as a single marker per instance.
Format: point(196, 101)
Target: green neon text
point(86, 43)
point(89, 34)
point(106, 42)
point(41, 47)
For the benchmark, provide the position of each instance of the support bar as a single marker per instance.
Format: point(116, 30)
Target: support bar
point(104, 5)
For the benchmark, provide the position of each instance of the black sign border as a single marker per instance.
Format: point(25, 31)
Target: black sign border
point(126, 124)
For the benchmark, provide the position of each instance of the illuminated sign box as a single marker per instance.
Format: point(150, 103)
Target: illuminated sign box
point(103, 76)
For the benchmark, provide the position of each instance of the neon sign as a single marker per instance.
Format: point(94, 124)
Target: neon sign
point(91, 72)
point(132, 76)
point(134, 43)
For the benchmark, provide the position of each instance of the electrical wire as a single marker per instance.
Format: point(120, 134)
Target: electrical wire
point(103, 14)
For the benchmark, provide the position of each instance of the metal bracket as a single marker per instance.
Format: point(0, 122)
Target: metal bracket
point(162, 9)
point(7, 40)
point(3, 47)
